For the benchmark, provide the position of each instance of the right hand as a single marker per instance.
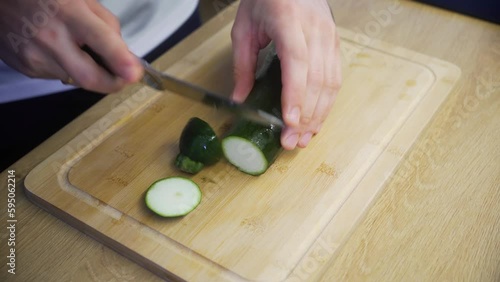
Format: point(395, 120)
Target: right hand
point(43, 39)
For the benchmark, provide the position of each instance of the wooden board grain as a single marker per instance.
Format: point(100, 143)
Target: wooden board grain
point(283, 225)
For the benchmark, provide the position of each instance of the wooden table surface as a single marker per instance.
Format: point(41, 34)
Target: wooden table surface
point(438, 219)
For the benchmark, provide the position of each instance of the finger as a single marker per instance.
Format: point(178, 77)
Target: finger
point(106, 15)
point(315, 76)
point(77, 64)
point(331, 84)
point(94, 32)
point(245, 53)
point(289, 138)
point(325, 103)
point(39, 63)
point(51, 69)
point(292, 51)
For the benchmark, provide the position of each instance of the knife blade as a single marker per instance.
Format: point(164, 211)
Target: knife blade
point(162, 81)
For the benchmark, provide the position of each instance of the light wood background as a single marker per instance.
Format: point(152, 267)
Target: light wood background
point(437, 220)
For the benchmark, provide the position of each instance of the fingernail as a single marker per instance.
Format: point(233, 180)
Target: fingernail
point(291, 141)
point(294, 116)
point(306, 138)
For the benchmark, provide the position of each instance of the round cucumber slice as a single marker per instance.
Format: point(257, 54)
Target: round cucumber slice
point(173, 196)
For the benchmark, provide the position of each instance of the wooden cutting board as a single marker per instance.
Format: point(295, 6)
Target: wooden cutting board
point(284, 225)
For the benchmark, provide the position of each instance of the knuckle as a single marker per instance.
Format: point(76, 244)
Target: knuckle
point(49, 34)
point(236, 33)
point(115, 22)
point(306, 118)
point(296, 53)
point(299, 53)
point(31, 59)
point(319, 116)
point(238, 72)
point(315, 80)
point(294, 10)
point(332, 85)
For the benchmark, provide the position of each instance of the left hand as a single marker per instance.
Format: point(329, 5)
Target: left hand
point(307, 44)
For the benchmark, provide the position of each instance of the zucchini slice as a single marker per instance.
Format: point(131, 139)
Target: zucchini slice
point(199, 146)
point(253, 147)
point(173, 196)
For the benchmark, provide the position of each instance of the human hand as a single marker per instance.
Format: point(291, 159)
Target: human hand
point(307, 44)
point(43, 39)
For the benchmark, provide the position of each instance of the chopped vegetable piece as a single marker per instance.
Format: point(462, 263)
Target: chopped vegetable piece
point(253, 147)
point(173, 196)
point(198, 143)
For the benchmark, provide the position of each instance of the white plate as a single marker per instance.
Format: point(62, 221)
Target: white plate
point(145, 24)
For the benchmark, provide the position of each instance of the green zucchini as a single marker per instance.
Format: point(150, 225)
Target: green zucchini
point(173, 196)
point(199, 146)
point(250, 146)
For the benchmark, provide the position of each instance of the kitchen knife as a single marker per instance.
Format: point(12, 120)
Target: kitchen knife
point(161, 81)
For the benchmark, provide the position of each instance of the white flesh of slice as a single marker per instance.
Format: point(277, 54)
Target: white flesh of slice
point(173, 196)
point(244, 155)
